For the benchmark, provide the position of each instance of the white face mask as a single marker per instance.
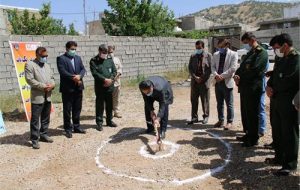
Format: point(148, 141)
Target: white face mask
point(278, 53)
point(150, 93)
point(103, 56)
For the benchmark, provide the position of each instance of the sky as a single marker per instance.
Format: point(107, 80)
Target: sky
point(71, 11)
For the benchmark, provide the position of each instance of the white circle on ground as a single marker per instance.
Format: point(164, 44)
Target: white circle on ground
point(145, 153)
point(175, 181)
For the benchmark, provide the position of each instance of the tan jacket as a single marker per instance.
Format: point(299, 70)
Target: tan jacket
point(38, 77)
point(119, 68)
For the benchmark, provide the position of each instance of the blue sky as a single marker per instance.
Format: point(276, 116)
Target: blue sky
point(62, 9)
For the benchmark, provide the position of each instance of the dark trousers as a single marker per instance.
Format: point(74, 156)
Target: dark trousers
point(163, 121)
point(224, 93)
point(285, 131)
point(204, 93)
point(104, 98)
point(250, 101)
point(40, 116)
point(72, 103)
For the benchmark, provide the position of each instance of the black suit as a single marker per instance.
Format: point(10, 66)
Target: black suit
point(71, 91)
point(163, 94)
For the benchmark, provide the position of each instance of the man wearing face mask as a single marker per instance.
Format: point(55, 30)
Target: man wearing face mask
point(282, 87)
point(39, 76)
point(200, 70)
point(224, 64)
point(72, 71)
point(104, 73)
point(249, 79)
point(117, 84)
point(158, 89)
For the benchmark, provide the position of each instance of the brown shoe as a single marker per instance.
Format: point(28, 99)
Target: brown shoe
point(117, 115)
point(228, 126)
point(219, 124)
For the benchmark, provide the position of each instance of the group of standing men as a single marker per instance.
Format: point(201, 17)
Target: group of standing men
point(106, 70)
point(250, 78)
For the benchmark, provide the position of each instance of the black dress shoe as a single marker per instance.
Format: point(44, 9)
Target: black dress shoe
point(112, 124)
point(35, 145)
point(282, 172)
point(192, 121)
point(269, 146)
point(46, 139)
point(149, 131)
point(69, 134)
point(242, 139)
point(163, 135)
point(219, 124)
point(249, 144)
point(205, 120)
point(79, 130)
point(99, 127)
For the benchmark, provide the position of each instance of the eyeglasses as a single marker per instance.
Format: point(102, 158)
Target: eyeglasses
point(73, 49)
point(43, 56)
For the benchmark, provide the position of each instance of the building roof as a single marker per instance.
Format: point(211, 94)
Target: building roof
point(280, 20)
point(18, 8)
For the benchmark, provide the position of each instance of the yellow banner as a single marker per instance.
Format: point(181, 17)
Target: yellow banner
point(22, 52)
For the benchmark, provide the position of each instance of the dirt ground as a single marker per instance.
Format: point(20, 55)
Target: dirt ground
point(71, 163)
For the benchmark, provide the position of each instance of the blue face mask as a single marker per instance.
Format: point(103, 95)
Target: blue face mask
point(43, 60)
point(247, 47)
point(222, 50)
point(199, 51)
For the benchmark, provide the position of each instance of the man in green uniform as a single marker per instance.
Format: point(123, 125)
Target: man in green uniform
point(282, 87)
point(104, 72)
point(249, 79)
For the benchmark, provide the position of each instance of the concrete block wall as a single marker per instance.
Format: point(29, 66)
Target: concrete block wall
point(140, 56)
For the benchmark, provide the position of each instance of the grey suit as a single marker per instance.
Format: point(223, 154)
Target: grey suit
point(38, 75)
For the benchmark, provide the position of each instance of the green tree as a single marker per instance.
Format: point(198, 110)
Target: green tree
point(72, 30)
point(138, 18)
point(25, 23)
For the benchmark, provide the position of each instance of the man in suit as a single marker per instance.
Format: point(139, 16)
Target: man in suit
point(224, 64)
point(158, 89)
point(117, 84)
point(200, 70)
point(249, 79)
point(104, 73)
point(72, 71)
point(39, 76)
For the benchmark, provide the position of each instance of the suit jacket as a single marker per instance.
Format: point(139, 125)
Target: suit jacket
point(66, 71)
point(162, 93)
point(229, 69)
point(38, 75)
point(206, 64)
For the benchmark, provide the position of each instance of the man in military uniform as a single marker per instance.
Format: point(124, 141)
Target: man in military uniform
point(104, 72)
point(200, 70)
point(282, 87)
point(249, 79)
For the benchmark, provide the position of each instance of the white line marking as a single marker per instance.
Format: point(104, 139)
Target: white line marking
point(174, 181)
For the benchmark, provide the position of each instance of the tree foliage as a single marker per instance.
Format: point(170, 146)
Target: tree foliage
point(138, 18)
point(26, 23)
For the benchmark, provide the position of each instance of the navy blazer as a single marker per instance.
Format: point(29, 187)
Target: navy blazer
point(66, 71)
point(162, 93)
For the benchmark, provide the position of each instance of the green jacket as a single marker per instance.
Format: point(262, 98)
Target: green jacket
point(252, 69)
point(102, 69)
point(284, 79)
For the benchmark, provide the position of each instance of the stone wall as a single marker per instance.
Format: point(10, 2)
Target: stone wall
point(140, 56)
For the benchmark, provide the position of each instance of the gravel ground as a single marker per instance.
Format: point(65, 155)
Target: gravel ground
point(70, 163)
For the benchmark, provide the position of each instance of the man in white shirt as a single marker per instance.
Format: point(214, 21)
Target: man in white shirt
point(116, 93)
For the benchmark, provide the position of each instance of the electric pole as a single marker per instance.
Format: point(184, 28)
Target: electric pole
point(84, 17)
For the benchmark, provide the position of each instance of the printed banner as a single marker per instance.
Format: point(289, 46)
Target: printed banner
point(2, 126)
point(22, 52)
